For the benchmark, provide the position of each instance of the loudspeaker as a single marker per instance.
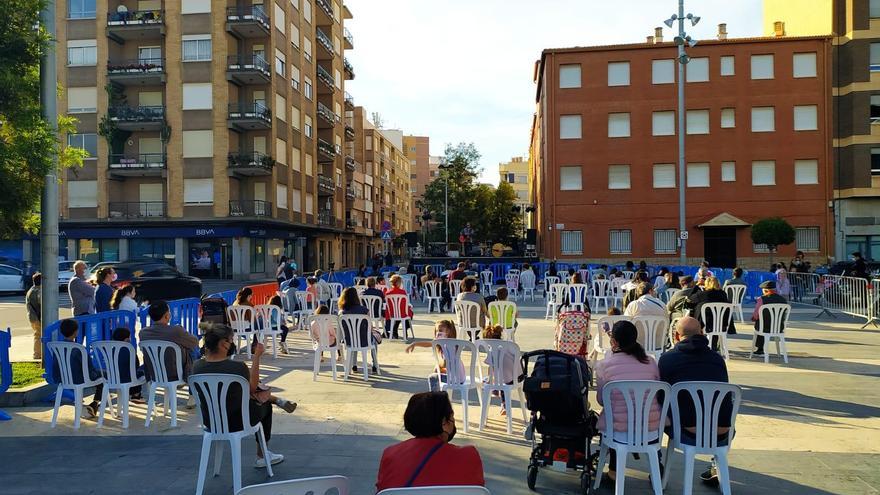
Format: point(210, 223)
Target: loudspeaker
point(412, 238)
point(531, 236)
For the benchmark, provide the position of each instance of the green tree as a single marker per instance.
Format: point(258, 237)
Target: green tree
point(505, 222)
point(773, 232)
point(27, 142)
point(462, 169)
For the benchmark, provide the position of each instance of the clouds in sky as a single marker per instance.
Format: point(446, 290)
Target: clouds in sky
point(461, 70)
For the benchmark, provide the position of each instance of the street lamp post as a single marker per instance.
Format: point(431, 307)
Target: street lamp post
point(49, 206)
point(445, 167)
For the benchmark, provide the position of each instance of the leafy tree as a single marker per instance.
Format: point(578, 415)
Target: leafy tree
point(27, 142)
point(773, 232)
point(505, 222)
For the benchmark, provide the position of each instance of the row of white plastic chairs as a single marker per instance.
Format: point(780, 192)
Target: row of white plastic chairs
point(340, 485)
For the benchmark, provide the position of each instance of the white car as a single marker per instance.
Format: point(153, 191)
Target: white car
point(10, 279)
point(65, 272)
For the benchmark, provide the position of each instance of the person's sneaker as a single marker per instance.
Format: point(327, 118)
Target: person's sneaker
point(374, 369)
point(354, 369)
point(273, 458)
point(288, 406)
point(710, 476)
point(90, 411)
point(284, 349)
point(758, 353)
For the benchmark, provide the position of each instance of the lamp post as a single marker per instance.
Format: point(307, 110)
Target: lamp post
point(49, 206)
point(445, 167)
point(680, 40)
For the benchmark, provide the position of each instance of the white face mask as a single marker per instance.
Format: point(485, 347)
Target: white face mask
point(114, 277)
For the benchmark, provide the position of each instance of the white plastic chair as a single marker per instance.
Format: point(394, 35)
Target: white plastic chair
point(307, 306)
point(459, 377)
point(320, 485)
point(408, 286)
point(335, 290)
point(511, 280)
point(154, 354)
point(359, 280)
point(529, 282)
point(627, 274)
point(722, 317)
point(639, 437)
point(548, 282)
point(454, 288)
point(467, 316)
point(513, 271)
point(270, 318)
point(211, 391)
point(62, 352)
point(357, 337)
point(433, 295)
point(617, 292)
point(707, 399)
point(437, 490)
point(377, 316)
point(555, 300)
point(504, 313)
point(601, 290)
point(487, 279)
point(323, 324)
point(109, 354)
point(670, 293)
point(242, 319)
point(577, 297)
point(585, 275)
point(777, 314)
point(602, 343)
point(398, 307)
point(736, 294)
point(498, 359)
point(652, 333)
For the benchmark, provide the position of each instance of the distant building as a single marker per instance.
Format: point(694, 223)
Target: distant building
point(417, 151)
point(516, 173)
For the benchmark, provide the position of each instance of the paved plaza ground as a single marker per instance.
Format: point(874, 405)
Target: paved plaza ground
point(809, 427)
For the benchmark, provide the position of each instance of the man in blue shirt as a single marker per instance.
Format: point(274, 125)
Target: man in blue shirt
point(104, 292)
point(69, 329)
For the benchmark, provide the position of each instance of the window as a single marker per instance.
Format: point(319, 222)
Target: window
point(760, 248)
point(728, 118)
point(308, 126)
point(618, 125)
point(763, 119)
point(762, 66)
point(570, 76)
point(310, 204)
point(80, 9)
point(875, 109)
point(697, 175)
point(728, 171)
point(875, 161)
point(280, 20)
point(82, 52)
point(307, 49)
point(198, 144)
point(618, 73)
point(307, 10)
point(663, 71)
point(875, 57)
point(295, 118)
point(509, 178)
point(806, 172)
point(197, 96)
point(280, 107)
point(571, 242)
point(297, 201)
point(295, 159)
point(86, 141)
point(697, 121)
point(621, 241)
point(281, 196)
point(570, 178)
point(294, 77)
point(764, 173)
point(804, 65)
point(196, 48)
point(294, 36)
point(727, 65)
point(310, 161)
point(280, 151)
point(82, 194)
point(805, 118)
point(307, 87)
point(664, 175)
point(195, 7)
point(618, 177)
point(570, 127)
point(258, 255)
point(665, 241)
point(697, 70)
point(663, 123)
point(874, 9)
point(82, 100)
point(807, 238)
point(280, 62)
point(198, 191)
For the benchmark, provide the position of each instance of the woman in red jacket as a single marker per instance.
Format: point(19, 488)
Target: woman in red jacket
point(396, 282)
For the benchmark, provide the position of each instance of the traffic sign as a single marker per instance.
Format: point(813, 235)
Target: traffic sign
point(386, 226)
point(683, 235)
point(386, 236)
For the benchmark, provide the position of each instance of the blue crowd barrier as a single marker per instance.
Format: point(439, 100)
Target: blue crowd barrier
point(184, 312)
point(227, 295)
point(5, 367)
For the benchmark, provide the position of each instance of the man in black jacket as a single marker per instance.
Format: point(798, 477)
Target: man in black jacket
point(677, 305)
point(768, 296)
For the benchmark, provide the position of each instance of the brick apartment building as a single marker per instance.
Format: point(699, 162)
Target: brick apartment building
point(603, 155)
point(418, 151)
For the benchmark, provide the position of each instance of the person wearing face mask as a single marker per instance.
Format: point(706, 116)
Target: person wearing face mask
point(104, 292)
point(428, 459)
point(81, 292)
point(160, 315)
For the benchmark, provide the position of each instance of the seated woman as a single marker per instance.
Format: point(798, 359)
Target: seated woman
point(711, 293)
point(627, 361)
point(396, 283)
point(429, 459)
point(512, 366)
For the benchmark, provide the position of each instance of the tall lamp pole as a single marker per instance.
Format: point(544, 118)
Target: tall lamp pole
point(445, 167)
point(49, 206)
point(681, 40)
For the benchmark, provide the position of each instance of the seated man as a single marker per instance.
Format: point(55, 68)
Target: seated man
point(630, 289)
point(160, 314)
point(737, 278)
point(69, 329)
point(646, 304)
point(469, 293)
point(768, 296)
point(677, 306)
point(458, 273)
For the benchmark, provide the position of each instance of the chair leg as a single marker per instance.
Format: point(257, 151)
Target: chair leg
point(316, 366)
point(620, 481)
point(522, 406)
point(784, 350)
point(507, 404)
point(603, 458)
point(656, 481)
point(333, 364)
point(668, 456)
point(464, 405)
point(366, 369)
point(151, 404)
point(688, 472)
point(123, 398)
point(485, 410)
point(59, 391)
point(105, 402)
point(203, 464)
point(235, 446)
point(218, 456)
point(723, 473)
point(78, 404)
point(172, 397)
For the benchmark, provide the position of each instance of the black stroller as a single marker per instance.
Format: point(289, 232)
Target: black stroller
point(556, 395)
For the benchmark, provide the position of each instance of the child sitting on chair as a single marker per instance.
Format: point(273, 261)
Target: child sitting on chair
point(511, 366)
point(123, 334)
point(444, 329)
point(316, 336)
point(276, 301)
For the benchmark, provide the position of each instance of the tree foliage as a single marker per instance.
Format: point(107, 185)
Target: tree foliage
point(773, 232)
point(28, 143)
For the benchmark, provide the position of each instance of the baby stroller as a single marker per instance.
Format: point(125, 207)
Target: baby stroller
point(556, 395)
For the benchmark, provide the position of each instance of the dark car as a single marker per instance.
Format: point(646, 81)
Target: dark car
point(154, 280)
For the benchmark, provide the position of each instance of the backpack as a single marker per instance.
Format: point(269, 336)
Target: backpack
point(214, 310)
point(573, 333)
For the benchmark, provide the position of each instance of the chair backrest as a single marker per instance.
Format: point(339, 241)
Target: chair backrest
point(408, 283)
point(437, 490)
point(432, 289)
point(321, 325)
point(528, 279)
point(716, 317)
point(62, 352)
point(617, 285)
point(324, 291)
point(627, 274)
point(270, 317)
point(578, 293)
point(306, 301)
point(511, 280)
point(707, 399)
point(398, 305)
point(241, 318)
point(652, 332)
point(450, 350)
point(109, 354)
point(670, 293)
point(585, 275)
point(602, 341)
point(320, 485)
point(154, 352)
point(335, 290)
point(211, 391)
point(288, 301)
point(773, 318)
point(374, 304)
point(486, 277)
point(549, 281)
point(502, 357)
point(454, 288)
point(600, 287)
point(356, 333)
point(502, 313)
point(735, 293)
point(513, 271)
point(557, 293)
point(639, 397)
point(467, 314)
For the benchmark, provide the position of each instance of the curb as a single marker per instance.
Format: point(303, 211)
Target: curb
point(26, 396)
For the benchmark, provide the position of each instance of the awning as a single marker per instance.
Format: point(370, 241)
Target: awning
point(725, 220)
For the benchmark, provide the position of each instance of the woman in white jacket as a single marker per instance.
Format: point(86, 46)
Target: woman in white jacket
point(123, 299)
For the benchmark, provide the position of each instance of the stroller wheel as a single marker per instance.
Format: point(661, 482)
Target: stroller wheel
point(532, 477)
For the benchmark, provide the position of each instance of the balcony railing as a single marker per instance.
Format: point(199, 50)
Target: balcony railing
point(250, 208)
point(325, 77)
point(348, 38)
point(328, 115)
point(349, 192)
point(326, 149)
point(137, 161)
point(136, 18)
point(350, 163)
point(250, 111)
point(349, 101)
point(349, 69)
point(137, 114)
point(250, 160)
point(253, 13)
point(325, 6)
point(324, 40)
point(139, 66)
point(326, 185)
point(326, 218)
point(349, 132)
point(247, 63)
point(351, 224)
point(137, 209)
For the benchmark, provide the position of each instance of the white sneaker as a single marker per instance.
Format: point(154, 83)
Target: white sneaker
point(284, 348)
point(273, 458)
point(190, 402)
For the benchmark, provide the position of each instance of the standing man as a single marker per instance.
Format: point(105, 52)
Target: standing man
point(768, 296)
point(104, 292)
point(81, 292)
point(34, 302)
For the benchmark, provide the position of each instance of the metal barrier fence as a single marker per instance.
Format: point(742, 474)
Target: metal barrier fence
point(184, 312)
point(5, 366)
point(263, 292)
point(849, 295)
point(227, 295)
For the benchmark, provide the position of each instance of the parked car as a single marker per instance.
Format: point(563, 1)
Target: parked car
point(65, 272)
point(93, 270)
point(10, 279)
point(155, 279)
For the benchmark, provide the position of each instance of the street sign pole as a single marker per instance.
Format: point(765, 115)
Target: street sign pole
point(49, 205)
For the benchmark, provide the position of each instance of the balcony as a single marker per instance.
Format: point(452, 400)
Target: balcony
point(350, 224)
point(249, 116)
point(326, 186)
point(349, 133)
point(350, 163)
point(349, 192)
point(326, 218)
point(250, 163)
point(137, 72)
point(349, 39)
point(137, 209)
point(326, 152)
point(327, 53)
point(250, 208)
point(247, 69)
point(349, 69)
point(326, 79)
point(135, 25)
point(346, 13)
point(324, 13)
point(140, 118)
point(137, 165)
point(247, 22)
point(327, 118)
point(349, 101)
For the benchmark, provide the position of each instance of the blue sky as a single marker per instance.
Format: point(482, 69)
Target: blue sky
point(461, 70)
